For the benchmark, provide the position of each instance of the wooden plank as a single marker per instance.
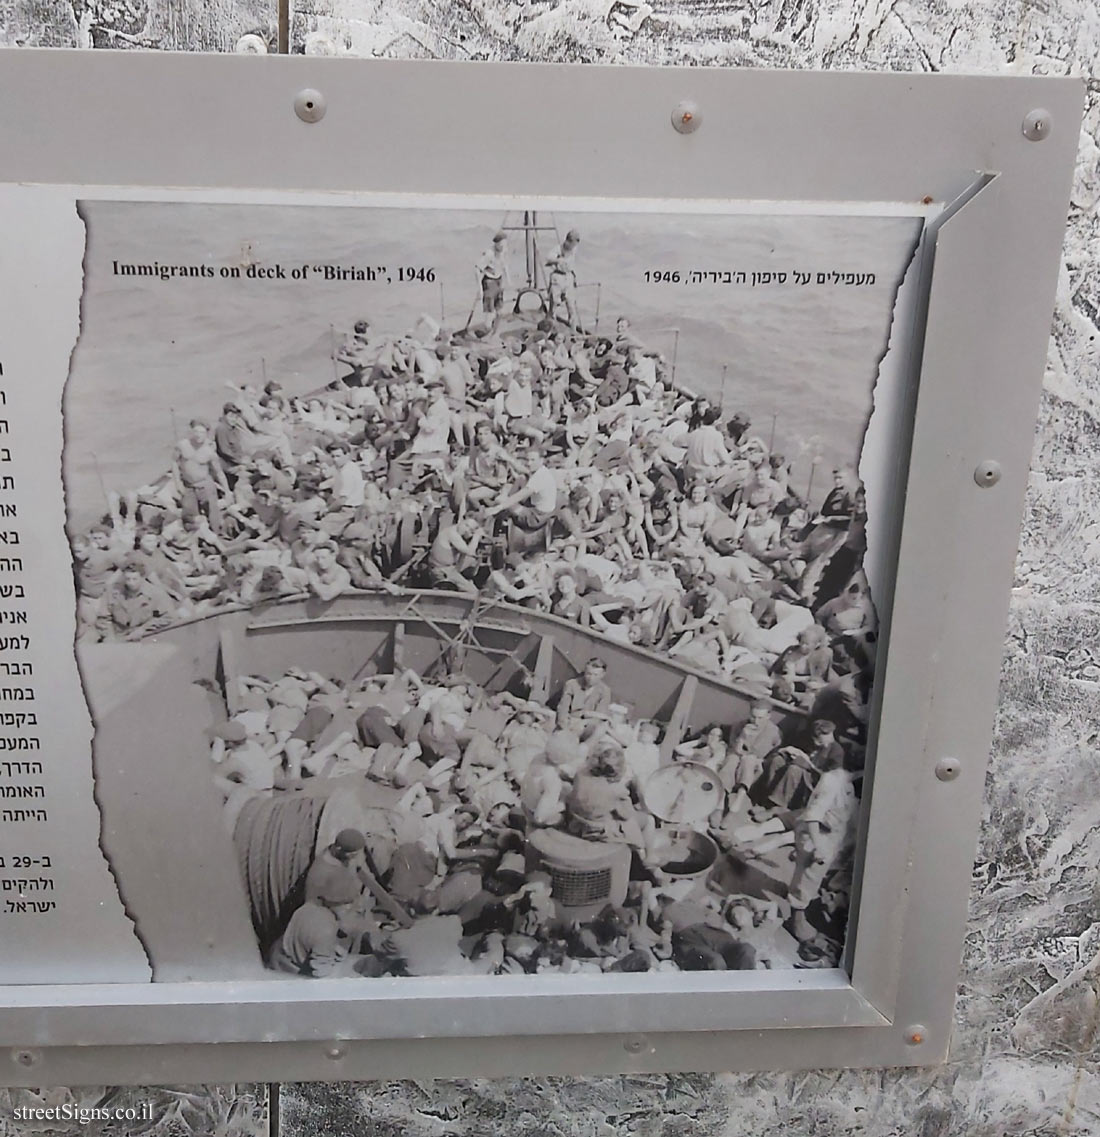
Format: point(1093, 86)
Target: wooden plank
point(502, 676)
point(544, 662)
point(677, 725)
point(229, 665)
point(398, 642)
point(384, 646)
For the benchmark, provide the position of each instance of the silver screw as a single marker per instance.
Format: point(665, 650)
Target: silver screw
point(948, 769)
point(916, 1034)
point(987, 473)
point(26, 1057)
point(1036, 125)
point(309, 105)
point(687, 117)
point(336, 1051)
point(636, 1044)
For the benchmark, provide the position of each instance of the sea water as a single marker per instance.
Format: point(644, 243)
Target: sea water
point(799, 359)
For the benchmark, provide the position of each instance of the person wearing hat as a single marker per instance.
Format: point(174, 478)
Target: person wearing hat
point(335, 872)
point(492, 276)
point(343, 870)
point(232, 441)
point(433, 423)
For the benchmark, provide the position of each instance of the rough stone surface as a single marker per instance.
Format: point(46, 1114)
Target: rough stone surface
point(171, 25)
point(1026, 1059)
point(178, 1111)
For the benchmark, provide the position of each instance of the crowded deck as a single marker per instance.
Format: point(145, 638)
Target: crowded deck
point(525, 460)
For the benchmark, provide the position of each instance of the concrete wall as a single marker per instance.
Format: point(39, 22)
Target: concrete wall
point(1025, 1057)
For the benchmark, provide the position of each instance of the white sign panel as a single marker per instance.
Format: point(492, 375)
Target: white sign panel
point(434, 598)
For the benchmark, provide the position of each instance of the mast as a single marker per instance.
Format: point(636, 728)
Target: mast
point(530, 228)
point(531, 247)
point(534, 267)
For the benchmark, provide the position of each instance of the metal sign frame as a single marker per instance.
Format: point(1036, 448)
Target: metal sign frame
point(998, 152)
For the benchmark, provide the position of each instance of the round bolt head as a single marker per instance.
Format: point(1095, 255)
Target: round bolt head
point(26, 1057)
point(1036, 125)
point(309, 105)
point(320, 45)
point(686, 117)
point(636, 1044)
point(915, 1034)
point(335, 1051)
point(250, 44)
point(948, 769)
point(987, 473)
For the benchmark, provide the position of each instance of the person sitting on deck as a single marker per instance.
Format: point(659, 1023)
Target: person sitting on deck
point(532, 505)
point(453, 555)
point(355, 353)
point(135, 604)
point(313, 944)
point(585, 697)
point(724, 578)
point(326, 578)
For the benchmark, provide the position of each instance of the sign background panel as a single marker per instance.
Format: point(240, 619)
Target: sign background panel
point(987, 317)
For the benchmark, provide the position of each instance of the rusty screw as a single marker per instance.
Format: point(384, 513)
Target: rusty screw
point(686, 117)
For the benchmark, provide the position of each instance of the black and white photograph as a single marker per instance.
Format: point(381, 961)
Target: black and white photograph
point(477, 591)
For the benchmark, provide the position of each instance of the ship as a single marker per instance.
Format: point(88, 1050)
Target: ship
point(203, 900)
point(208, 899)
